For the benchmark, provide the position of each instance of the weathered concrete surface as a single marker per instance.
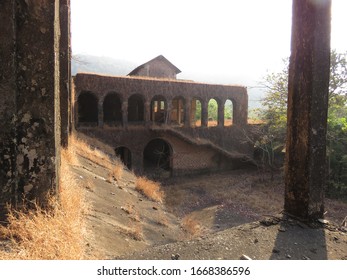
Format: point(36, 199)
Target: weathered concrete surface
point(30, 104)
point(307, 109)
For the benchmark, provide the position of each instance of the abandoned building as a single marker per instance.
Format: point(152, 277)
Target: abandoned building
point(150, 114)
point(157, 122)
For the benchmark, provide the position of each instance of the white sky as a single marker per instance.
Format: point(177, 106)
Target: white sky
point(222, 41)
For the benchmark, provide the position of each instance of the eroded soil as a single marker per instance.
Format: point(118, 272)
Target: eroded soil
point(216, 216)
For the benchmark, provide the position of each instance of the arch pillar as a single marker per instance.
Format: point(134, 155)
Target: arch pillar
point(125, 113)
point(101, 113)
point(187, 109)
point(220, 121)
point(204, 113)
point(168, 112)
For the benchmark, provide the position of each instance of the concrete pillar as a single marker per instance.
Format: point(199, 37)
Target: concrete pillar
point(147, 109)
point(187, 114)
point(204, 113)
point(100, 113)
point(30, 81)
point(220, 114)
point(65, 71)
point(125, 113)
point(308, 88)
point(168, 111)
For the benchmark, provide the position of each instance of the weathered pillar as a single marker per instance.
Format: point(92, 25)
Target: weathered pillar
point(168, 106)
point(30, 80)
point(307, 109)
point(125, 114)
point(204, 113)
point(220, 114)
point(147, 113)
point(100, 113)
point(187, 115)
point(65, 71)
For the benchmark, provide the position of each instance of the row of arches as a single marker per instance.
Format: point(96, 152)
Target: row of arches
point(177, 111)
point(157, 154)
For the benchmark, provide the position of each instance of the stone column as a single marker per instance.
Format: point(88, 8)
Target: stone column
point(125, 114)
point(168, 112)
point(100, 113)
point(308, 88)
point(187, 106)
point(204, 114)
point(220, 114)
point(65, 71)
point(30, 81)
point(147, 108)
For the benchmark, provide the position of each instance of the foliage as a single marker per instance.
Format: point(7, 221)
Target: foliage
point(274, 113)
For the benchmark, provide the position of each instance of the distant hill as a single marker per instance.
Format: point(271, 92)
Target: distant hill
point(101, 65)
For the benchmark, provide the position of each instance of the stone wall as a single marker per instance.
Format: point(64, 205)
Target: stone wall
point(30, 112)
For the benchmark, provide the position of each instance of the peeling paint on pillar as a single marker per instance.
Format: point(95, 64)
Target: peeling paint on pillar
point(29, 87)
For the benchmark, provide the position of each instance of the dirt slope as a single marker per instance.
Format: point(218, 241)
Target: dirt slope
point(216, 216)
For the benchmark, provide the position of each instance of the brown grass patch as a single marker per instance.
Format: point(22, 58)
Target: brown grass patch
point(135, 232)
point(150, 189)
point(53, 233)
point(191, 226)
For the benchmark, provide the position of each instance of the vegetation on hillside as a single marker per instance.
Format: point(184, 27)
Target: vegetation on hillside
point(274, 113)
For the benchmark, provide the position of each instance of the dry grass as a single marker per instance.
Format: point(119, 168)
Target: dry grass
point(56, 233)
point(135, 231)
point(191, 226)
point(150, 189)
point(97, 156)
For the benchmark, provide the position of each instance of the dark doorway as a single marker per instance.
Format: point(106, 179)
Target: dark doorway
point(125, 156)
point(158, 155)
point(87, 108)
point(136, 109)
point(112, 108)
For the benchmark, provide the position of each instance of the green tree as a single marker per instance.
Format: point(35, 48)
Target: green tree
point(274, 113)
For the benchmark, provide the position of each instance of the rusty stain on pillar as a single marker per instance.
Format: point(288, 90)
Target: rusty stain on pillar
point(30, 104)
point(307, 109)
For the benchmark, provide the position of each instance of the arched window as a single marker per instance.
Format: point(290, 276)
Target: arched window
point(157, 155)
point(177, 112)
point(125, 155)
point(212, 112)
point(228, 112)
point(112, 108)
point(195, 113)
point(87, 108)
point(136, 110)
point(158, 109)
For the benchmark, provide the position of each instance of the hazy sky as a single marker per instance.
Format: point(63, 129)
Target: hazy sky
point(222, 41)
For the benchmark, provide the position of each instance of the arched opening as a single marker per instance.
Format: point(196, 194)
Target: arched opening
point(125, 155)
point(112, 108)
point(157, 155)
point(177, 112)
point(195, 113)
point(158, 109)
point(212, 112)
point(87, 108)
point(136, 110)
point(228, 112)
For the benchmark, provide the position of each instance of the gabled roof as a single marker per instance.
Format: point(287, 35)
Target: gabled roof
point(161, 58)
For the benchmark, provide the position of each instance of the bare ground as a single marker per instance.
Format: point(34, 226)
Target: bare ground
point(216, 216)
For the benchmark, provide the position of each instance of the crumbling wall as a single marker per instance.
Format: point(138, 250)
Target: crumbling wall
point(30, 111)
